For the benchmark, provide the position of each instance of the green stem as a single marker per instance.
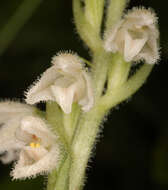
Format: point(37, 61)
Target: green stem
point(70, 122)
point(118, 71)
point(99, 69)
point(88, 126)
point(40, 113)
point(94, 13)
point(60, 179)
point(16, 22)
point(82, 145)
point(63, 125)
point(88, 63)
point(52, 177)
point(84, 28)
point(54, 116)
point(114, 97)
point(114, 12)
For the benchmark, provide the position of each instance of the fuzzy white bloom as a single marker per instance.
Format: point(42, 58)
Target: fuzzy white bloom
point(135, 36)
point(27, 140)
point(65, 82)
point(10, 115)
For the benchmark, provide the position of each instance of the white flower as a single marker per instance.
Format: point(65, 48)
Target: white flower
point(135, 36)
point(27, 140)
point(65, 82)
point(10, 115)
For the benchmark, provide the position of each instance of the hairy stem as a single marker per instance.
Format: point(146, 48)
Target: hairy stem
point(82, 145)
point(94, 13)
point(62, 179)
point(100, 67)
point(70, 122)
point(88, 127)
point(118, 71)
point(112, 98)
point(84, 28)
point(114, 12)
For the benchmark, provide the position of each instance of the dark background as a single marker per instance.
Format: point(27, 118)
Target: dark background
point(133, 149)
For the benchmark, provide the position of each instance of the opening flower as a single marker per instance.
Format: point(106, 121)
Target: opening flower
point(65, 82)
point(28, 140)
point(135, 36)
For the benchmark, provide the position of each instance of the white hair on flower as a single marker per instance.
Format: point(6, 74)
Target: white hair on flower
point(26, 139)
point(40, 153)
point(65, 82)
point(135, 36)
point(10, 115)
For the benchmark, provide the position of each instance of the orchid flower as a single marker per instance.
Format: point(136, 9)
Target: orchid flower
point(65, 82)
point(10, 115)
point(135, 36)
point(26, 139)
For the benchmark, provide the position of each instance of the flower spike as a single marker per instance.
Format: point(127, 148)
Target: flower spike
point(135, 36)
point(65, 82)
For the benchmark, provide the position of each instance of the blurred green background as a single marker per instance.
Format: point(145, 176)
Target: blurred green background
point(133, 149)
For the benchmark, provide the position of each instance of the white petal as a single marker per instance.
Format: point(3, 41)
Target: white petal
point(132, 46)
point(46, 164)
point(8, 140)
point(11, 109)
point(37, 126)
point(151, 56)
point(88, 100)
point(10, 116)
point(22, 135)
point(34, 154)
point(109, 38)
point(68, 63)
point(64, 97)
point(41, 90)
point(141, 16)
